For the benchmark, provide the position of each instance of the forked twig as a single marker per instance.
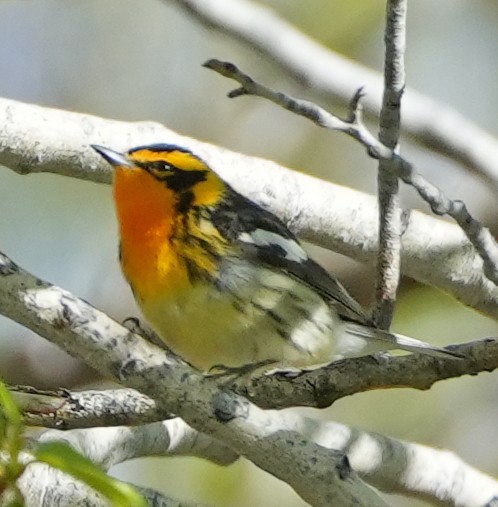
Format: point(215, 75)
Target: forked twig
point(478, 235)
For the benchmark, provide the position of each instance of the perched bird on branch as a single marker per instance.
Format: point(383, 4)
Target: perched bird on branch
point(223, 282)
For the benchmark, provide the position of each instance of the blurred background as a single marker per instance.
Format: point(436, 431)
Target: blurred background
point(142, 61)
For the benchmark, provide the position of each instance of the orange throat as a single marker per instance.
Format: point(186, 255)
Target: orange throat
point(146, 215)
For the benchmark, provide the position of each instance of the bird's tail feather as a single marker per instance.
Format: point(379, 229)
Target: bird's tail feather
point(399, 341)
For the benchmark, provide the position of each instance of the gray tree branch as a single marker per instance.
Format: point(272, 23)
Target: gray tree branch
point(35, 139)
point(320, 476)
point(87, 333)
point(391, 465)
point(43, 486)
point(318, 388)
point(64, 409)
point(110, 446)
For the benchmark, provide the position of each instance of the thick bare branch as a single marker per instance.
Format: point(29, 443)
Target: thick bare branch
point(479, 236)
point(35, 139)
point(391, 465)
point(110, 446)
point(395, 466)
point(431, 123)
point(321, 476)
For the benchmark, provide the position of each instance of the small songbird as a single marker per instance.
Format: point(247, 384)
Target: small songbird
point(222, 281)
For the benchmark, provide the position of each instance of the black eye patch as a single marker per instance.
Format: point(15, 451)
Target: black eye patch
point(180, 181)
point(177, 179)
point(159, 168)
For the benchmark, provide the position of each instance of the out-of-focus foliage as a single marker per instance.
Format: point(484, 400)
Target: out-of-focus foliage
point(58, 455)
point(11, 444)
point(61, 456)
point(341, 25)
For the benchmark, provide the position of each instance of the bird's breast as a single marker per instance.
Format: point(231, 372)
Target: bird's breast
point(147, 223)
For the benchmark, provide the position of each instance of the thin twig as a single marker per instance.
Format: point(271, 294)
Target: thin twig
point(478, 235)
point(389, 257)
point(432, 123)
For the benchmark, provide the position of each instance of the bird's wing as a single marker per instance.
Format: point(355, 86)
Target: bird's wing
point(265, 238)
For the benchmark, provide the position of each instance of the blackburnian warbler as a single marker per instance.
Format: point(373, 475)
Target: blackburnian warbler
point(224, 282)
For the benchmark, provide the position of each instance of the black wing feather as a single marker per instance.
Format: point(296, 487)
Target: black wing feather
point(238, 215)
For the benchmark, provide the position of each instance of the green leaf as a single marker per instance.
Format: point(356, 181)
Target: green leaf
point(11, 428)
point(61, 456)
point(11, 442)
point(9, 407)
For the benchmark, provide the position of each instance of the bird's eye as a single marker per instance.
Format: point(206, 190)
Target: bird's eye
point(162, 167)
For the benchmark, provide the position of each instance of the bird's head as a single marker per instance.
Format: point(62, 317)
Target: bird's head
point(163, 171)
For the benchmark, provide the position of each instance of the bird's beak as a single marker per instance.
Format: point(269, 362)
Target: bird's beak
point(114, 158)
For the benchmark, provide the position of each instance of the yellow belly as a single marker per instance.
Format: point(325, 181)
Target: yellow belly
point(204, 330)
point(209, 327)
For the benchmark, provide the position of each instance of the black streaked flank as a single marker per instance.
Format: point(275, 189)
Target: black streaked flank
point(259, 307)
point(295, 297)
point(238, 306)
point(193, 272)
point(302, 313)
point(322, 327)
point(274, 316)
point(185, 202)
point(238, 302)
point(276, 290)
point(285, 335)
point(268, 311)
point(206, 246)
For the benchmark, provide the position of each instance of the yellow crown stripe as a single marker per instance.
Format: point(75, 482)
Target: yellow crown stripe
point(177, 158)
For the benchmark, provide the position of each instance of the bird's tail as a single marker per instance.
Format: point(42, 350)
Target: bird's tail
point(388, 341)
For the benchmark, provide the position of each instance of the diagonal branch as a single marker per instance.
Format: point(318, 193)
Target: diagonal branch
point(479, 236)
point(86, 332)
point(320, 476)
point(431, 123)
point(389, 257)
